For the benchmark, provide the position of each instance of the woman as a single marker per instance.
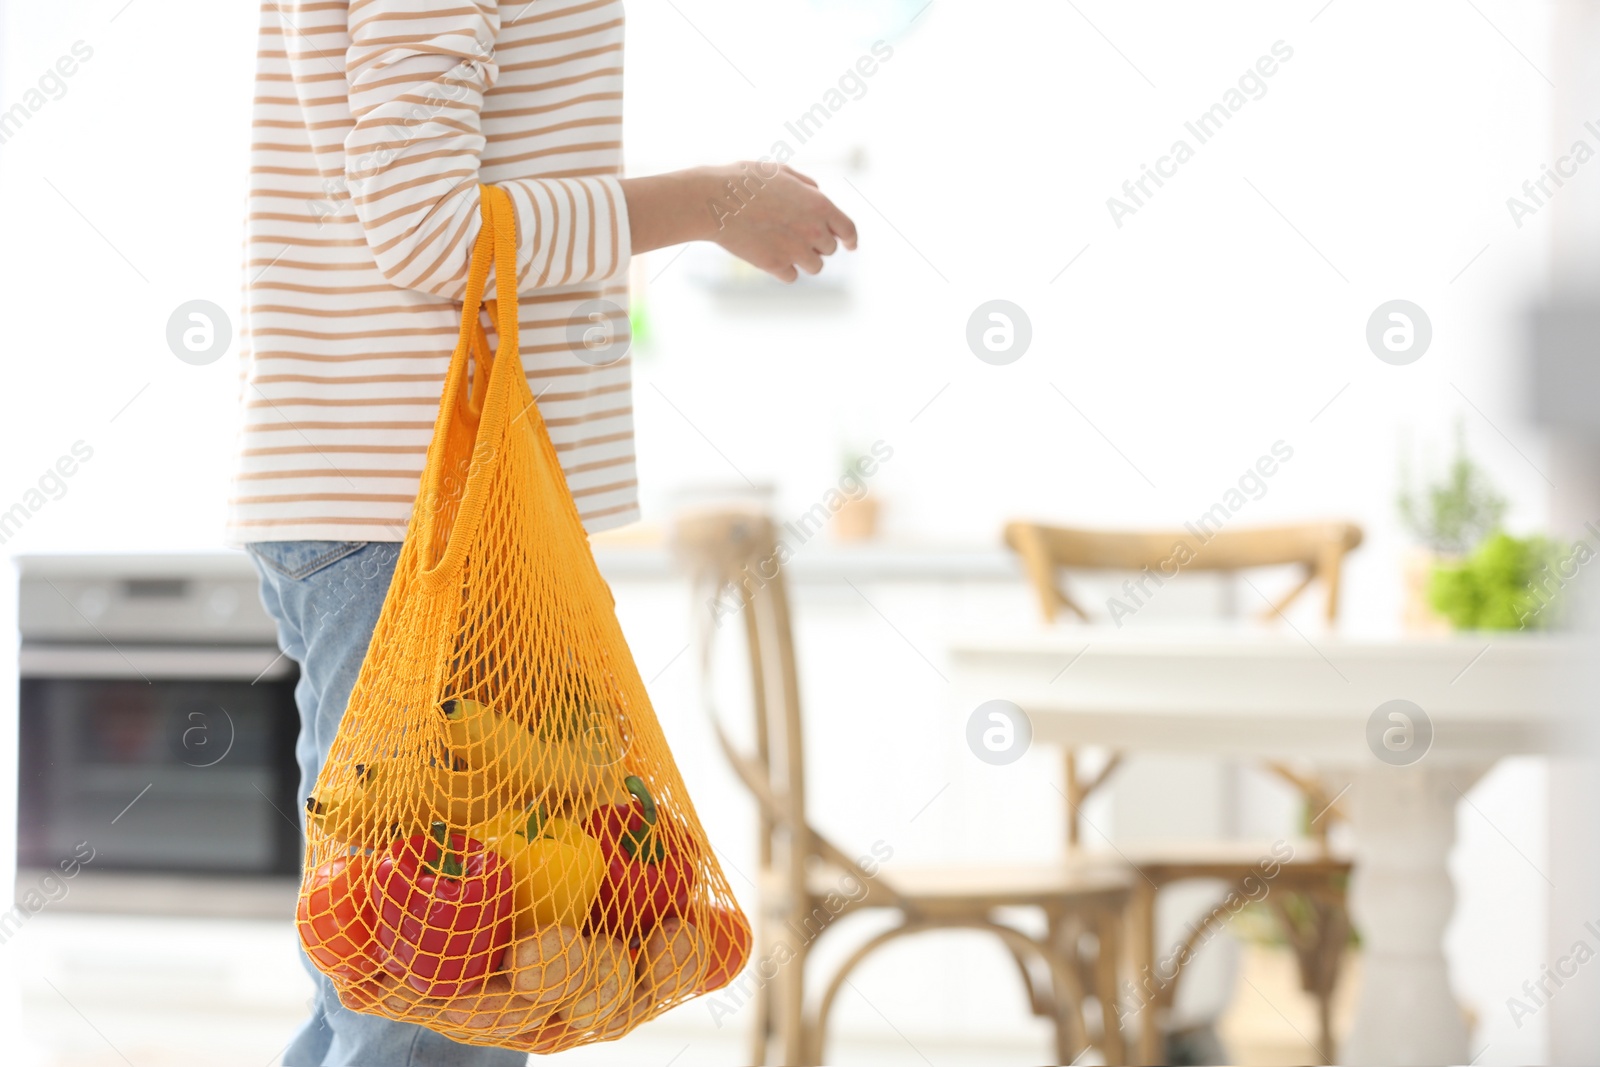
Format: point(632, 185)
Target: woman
point(374, 123)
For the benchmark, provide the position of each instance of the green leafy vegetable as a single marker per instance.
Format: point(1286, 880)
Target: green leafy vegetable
point(1509, 583)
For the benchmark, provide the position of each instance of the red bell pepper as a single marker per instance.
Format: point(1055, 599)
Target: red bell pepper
point(444, 911)
point(647, 878)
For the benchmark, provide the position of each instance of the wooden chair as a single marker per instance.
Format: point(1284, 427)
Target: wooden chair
point(733, 559)
point(1308, 892)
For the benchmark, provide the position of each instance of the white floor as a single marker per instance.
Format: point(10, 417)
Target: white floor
point(130, 991)
point(143, 991)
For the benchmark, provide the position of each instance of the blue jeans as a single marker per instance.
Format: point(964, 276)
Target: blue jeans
point(325, 597)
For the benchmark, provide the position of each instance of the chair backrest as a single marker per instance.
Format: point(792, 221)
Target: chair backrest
point(1318, 548)
point(735, 562)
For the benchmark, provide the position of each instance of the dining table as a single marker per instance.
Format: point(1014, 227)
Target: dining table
point(1398, 728)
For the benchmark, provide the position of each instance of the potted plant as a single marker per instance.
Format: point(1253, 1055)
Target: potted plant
point(1449, 519)
point(857, 516)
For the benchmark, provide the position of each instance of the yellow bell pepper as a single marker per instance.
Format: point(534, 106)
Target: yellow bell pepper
point(556, 867)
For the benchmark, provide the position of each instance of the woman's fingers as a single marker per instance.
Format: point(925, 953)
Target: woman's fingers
point(843, 227)
point(787, 225)
point(805, 178)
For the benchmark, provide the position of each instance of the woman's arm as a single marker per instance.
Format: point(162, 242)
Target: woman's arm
point(417, 75)
point(416, 88)
point(767, 214)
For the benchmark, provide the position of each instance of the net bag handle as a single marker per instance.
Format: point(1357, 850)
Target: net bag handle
point(485, 411)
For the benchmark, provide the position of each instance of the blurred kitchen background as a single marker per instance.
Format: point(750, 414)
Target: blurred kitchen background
point(1170, 349)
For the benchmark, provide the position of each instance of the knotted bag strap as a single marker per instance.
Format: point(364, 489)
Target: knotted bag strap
point(481, 410)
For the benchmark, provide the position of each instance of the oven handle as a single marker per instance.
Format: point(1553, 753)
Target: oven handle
point(252, 663)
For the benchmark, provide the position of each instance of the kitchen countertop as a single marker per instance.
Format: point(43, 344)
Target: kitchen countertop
point(192, 896)
point(618, 558)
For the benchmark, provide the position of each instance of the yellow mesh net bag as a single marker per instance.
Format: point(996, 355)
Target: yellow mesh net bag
point(500, 846)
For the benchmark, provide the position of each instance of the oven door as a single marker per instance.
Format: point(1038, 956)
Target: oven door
point(160, 758)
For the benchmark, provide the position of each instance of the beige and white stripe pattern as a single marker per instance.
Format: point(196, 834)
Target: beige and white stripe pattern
point(374, 122)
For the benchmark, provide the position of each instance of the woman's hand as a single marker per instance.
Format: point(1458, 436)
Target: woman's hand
point(773, 217)
point(768, 214)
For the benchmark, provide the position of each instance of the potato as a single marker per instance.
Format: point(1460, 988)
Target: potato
point(399, 999)
point(609, 984)
point(495, 1010)
point(360, 996)
point(671, 962)
point(553, 1036)
point(638, 1006)
point(547, 966)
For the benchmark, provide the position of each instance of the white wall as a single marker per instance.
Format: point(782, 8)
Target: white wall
point(1192, 338)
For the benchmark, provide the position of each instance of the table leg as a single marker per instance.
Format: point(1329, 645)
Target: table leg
point(1401, 897)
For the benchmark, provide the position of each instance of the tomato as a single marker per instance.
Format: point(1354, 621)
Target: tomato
point(336, 919)
point(725, 939)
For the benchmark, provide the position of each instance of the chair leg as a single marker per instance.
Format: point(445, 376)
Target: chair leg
point(1325, 1024)
point(1063, 1003)
point(1333, 932)
point(1319, 945)
point(1066, 990)
point(1060, 948)
point(1142, 958)
point(761, 1025)
point(1108, 958)
point(789, 997)
point(1335, 936)
point(1039, 1000)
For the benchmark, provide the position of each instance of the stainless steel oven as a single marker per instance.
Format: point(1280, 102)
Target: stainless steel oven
point(157, 717)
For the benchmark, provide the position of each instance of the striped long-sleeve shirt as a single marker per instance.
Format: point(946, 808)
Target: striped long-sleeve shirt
point(374, 122)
